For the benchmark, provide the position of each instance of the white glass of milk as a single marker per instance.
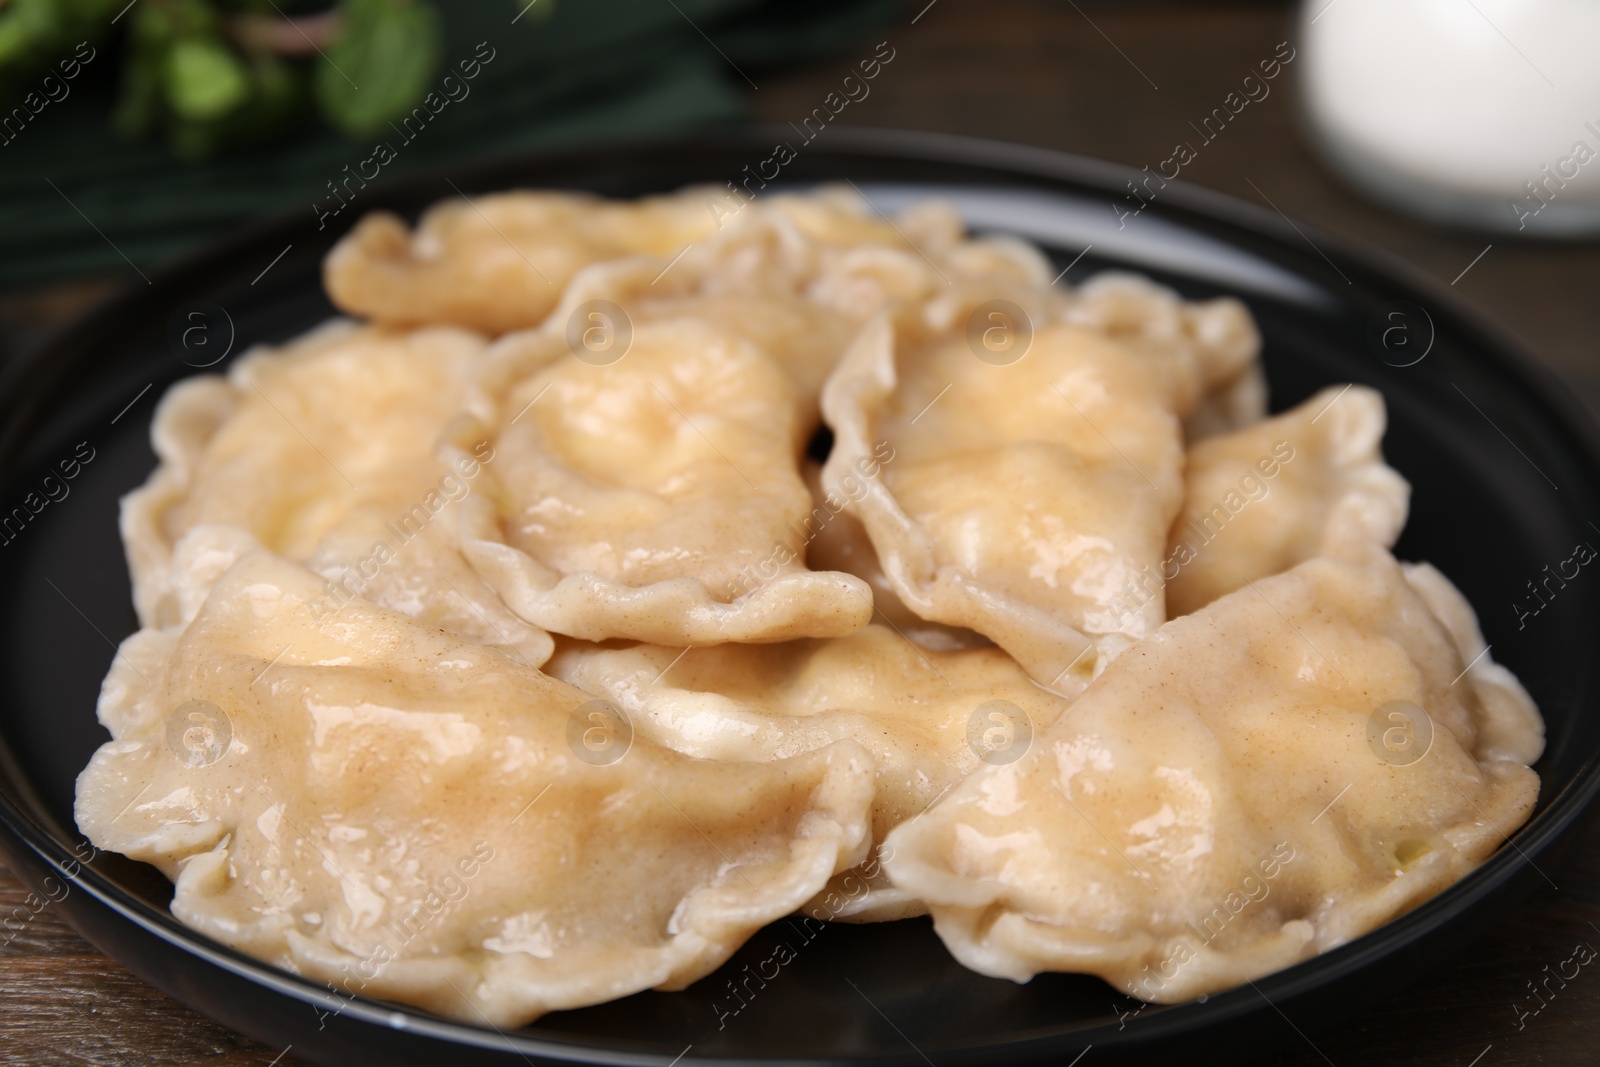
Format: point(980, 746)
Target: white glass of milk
point(1476, 113)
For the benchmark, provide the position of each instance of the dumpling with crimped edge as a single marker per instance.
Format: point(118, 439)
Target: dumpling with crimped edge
point(830, 246)
point(499, 263)
point(1266, 779)
point(1310, 482)
point(928, 718)
point(1218, 336)
point(348, 449)
point(415, 817)
point(1511, 727)
point(1024, 491)
point(657, 498)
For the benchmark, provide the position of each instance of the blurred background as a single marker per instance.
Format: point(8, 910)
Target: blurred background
point(138, 129)
point(1443, 133)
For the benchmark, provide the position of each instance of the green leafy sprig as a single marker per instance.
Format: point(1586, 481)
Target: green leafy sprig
point(209, 75)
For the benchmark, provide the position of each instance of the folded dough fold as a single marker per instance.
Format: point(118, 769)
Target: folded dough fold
point(408, 815)
point(1266, 779)
point(349, 449)
point(1023, 493)
point(1310, 482)
point(658, 498)
point(1217, 336)
point(922, 714)
point(836, 541)
point(498, 262)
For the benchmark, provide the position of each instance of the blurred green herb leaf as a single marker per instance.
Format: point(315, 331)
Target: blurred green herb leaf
point(380, 65)
point(186, 73)
point(204, 79)
point(212, 74)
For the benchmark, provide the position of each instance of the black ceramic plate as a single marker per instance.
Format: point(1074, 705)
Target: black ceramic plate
point(1505, 468)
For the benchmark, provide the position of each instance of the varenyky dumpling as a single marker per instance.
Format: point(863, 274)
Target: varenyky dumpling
point(658, 498)
point(1310, 482)
point(1265, 779)
point(1218, 336)
point(348, 449)
point(500, 262)
point(1026, 489)
point(411, 816)
point(928, 718)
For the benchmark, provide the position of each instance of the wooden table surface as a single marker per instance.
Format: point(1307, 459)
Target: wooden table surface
point(1069, 76)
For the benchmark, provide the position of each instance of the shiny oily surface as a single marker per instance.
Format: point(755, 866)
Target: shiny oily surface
point(1310, 482)
point(922, 713)
point(337, 780)
point(325, 452)
point(1229, 797)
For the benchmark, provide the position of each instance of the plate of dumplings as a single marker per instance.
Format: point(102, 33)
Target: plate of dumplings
point(607, 607)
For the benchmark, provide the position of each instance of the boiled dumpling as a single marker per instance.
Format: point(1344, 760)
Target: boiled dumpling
point(1218, 336)
point(349, 449)
point(499, 262)
point(1266, 779)
point(658, 498)
point(1025, 490)
point(928, 718)
point(1310, 482)
point(414, 817)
